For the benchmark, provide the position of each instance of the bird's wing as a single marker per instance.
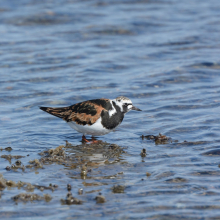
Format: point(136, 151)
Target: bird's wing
point(82, 113)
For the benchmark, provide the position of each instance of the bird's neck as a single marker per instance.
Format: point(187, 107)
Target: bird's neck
point(112, 118)
point(115, 108)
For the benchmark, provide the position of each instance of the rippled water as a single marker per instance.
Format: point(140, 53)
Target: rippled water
point(163, 55)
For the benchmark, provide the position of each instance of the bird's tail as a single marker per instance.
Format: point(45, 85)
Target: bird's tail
point(58, 112)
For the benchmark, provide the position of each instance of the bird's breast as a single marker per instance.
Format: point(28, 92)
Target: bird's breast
point(111, 122)
point(96, 129)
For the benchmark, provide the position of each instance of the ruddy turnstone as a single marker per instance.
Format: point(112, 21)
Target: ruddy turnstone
point(94, 117)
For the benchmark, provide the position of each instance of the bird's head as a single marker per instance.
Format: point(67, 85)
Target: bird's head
point(125, 104)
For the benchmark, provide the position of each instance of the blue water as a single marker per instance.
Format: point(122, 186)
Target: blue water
point(163, 55)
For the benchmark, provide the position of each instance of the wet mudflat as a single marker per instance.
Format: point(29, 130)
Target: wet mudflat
point(161, 163)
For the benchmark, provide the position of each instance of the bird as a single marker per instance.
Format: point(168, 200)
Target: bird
point(94, 117)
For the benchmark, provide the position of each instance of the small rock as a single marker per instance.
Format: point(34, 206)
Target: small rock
point(148, 174)
point(80, 191)
point(69, 187)
point(143, 152)
point(18, 162)
point(8, 168)
point(100, 199)
point(70, 200)
point(83, 170)
point(10, 183)
point(8, 149)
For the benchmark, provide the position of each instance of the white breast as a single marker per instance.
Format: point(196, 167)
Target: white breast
point(96, 129)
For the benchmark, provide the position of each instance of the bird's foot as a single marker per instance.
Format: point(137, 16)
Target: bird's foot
point(84, 139)
point(94, 141)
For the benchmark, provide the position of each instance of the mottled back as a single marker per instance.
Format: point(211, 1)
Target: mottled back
point(82, 113)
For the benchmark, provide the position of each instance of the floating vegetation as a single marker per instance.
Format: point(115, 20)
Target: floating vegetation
point(70, 200)
point(100, 198)
point(25, 197)
point(25, 185)
point(79, 159)
point(215, 152)
point(53, 155)
point(6, 149)
point(118, 189)
point(159, 139)
point(9, 157)
point(34, 163)
point(143, 152)
point(177, 180)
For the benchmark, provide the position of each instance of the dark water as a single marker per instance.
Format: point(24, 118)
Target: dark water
point(163, 55)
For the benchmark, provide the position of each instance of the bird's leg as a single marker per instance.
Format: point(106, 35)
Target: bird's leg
point(94, 141)
point(84, 139)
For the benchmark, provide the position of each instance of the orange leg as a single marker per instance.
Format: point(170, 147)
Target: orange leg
point(94, 141)
point(87, 141)
point(84, 139)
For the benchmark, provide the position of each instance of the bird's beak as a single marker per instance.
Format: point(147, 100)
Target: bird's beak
point(134, 108)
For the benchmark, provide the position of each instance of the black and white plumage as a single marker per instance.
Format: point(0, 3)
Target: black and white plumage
point(94, 117)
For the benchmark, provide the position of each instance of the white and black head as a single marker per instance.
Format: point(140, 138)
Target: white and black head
point(125, 104)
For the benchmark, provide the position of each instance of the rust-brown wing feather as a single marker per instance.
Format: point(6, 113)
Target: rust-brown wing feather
point(63, 113)
point(82, 113)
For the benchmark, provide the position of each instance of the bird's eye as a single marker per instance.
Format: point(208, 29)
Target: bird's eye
point(126, 104)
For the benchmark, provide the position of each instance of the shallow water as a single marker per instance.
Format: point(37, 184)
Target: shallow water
point(163, 55)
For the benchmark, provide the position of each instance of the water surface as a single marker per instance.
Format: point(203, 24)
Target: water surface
point(163, 55)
